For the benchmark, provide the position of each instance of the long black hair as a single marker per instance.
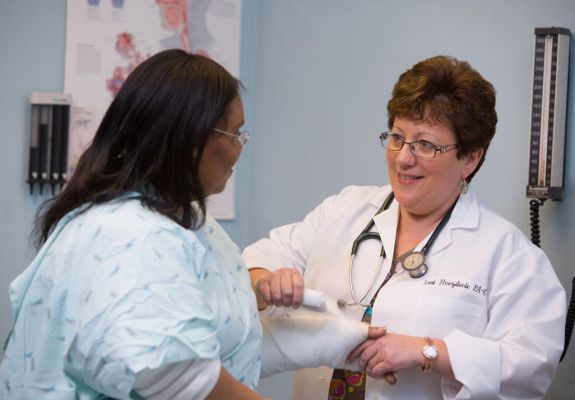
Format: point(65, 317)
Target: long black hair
point(153, 133)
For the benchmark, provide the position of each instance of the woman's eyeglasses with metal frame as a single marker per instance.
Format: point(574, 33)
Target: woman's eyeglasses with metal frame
point(419, 148)
point(241, 136)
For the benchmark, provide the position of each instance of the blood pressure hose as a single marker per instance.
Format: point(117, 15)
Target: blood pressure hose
point(570, 319)
point(536, 239)
point(534, 218)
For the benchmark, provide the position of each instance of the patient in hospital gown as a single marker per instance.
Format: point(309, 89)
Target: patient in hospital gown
point(136, 292)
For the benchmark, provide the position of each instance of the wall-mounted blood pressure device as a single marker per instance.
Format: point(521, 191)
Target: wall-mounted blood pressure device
point(548, 133)
point(548, 113)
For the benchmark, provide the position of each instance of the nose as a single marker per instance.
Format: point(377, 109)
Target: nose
point(405, 155)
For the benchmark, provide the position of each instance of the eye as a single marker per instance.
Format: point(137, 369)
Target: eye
point(426, 146)
point(396, 139)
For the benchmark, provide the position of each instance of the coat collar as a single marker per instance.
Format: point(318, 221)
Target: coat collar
point(465, 216)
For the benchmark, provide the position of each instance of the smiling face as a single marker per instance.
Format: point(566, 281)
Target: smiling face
point(222, 151)
point(427, 187)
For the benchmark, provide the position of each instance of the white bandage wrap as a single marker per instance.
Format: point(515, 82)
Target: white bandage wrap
point(292, 343)
point(314, 299)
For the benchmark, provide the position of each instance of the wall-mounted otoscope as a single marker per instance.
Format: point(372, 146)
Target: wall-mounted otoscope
point(48, 155)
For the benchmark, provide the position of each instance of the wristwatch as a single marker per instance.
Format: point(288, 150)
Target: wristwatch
point(430, 354)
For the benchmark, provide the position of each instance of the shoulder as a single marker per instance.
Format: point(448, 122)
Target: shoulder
point(359, 195)
point(350, 199)
point(125, 214)
point(474, 216)
point(501, 229)
point(363, 191)
point(495, 233)
point(126, 221)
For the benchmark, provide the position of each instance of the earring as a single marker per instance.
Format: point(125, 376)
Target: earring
point(463, 186)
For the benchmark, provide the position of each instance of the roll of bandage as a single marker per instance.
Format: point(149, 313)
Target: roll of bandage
point(313, 299)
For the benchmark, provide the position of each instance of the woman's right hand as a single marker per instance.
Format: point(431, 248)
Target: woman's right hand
point(283, 287)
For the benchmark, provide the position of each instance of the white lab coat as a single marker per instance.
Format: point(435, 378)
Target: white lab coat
point(490, 294)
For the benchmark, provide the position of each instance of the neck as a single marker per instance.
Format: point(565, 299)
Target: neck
point(412, 227)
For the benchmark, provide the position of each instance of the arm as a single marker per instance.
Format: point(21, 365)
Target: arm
point(520, 338)
point(395, 352)
point(198, 379)
point(519, 351)
point(296, 342)
point(277, 264)
point(515, 354)
point(272, 284)
point(227, 387)
point(151, 312)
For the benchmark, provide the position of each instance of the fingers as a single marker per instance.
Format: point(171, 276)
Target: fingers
point(390, 378)
point(276, 289)
point(264, 289)
point(355, 353)
point(374, 332)
point(283, 287)
point(380, 371)
point(367, 355)
point(298, 286)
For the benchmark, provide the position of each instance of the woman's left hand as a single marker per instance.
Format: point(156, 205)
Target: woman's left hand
point(387, 354)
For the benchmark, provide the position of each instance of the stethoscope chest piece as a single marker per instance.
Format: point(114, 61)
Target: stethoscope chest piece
point(414, 263)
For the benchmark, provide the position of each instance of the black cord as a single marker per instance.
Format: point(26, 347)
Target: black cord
point(534, 218)
point(536, 239)
point(570, 319)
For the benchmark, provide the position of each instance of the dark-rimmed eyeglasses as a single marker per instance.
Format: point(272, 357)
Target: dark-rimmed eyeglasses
point(241, 136)
point(419, 148)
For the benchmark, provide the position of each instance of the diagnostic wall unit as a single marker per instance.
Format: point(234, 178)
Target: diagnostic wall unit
point(548, 113)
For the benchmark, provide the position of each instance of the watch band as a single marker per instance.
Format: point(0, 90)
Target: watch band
point(429, 354)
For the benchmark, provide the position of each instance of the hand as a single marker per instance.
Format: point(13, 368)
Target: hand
point(283, 287)
point(373, 332)
point(388, 354)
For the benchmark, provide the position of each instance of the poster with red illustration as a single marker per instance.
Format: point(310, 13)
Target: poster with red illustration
point(107, 39)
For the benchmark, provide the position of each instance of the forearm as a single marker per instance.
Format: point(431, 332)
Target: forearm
point(299, 342)
point(227, 387)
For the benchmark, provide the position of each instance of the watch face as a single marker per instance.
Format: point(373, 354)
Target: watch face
point(413, 261)
point(430, 352)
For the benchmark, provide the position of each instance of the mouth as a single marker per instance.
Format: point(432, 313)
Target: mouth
point(409, 178)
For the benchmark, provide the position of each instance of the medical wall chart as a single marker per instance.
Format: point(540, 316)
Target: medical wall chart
point(107, 39)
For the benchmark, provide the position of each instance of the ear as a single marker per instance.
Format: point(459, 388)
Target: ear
point(471, 161)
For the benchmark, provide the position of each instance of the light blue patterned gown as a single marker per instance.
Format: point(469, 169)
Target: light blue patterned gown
point(120, 288)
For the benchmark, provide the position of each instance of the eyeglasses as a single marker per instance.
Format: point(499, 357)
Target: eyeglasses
point(241, 136)
point(420, 148)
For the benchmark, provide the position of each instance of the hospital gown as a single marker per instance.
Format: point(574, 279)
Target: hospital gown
point(120, 288)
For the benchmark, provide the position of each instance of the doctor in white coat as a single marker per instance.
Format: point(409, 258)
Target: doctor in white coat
point(473, 309)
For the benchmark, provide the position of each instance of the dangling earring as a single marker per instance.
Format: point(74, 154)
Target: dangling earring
point(463, 187)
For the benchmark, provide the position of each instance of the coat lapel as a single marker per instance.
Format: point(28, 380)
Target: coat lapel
point(464, 216)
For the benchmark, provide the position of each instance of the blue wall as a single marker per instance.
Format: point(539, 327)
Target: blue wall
point(318, 75)
point(325, 70)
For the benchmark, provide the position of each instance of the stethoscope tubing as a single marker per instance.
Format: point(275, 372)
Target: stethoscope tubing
point(369, 287)
point(415, 272)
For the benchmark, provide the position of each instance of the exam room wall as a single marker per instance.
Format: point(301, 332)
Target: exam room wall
point(325, 71)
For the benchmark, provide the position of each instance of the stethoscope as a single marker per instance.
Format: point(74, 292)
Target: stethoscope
point(413, 263)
